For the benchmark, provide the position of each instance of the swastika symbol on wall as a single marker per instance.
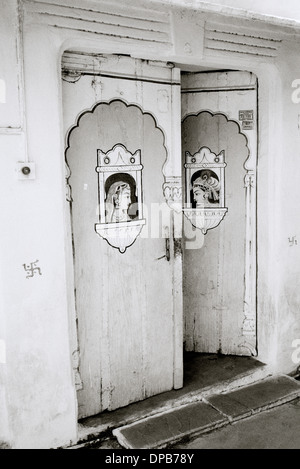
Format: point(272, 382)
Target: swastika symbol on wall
point(32, 269)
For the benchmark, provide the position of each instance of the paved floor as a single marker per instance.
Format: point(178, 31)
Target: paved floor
point(278, 428)
point(218, 410)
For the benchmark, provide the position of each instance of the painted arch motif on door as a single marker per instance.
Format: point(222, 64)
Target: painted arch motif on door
point(117, 102)
point(221, 294)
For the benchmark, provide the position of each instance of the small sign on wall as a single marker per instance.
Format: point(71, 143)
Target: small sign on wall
point(247, 119)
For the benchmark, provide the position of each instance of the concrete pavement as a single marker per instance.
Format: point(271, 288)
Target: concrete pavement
point(211, 413)
point(278, 428)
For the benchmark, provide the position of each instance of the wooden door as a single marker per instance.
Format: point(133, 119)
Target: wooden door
point(124, 302)
point(219, 112)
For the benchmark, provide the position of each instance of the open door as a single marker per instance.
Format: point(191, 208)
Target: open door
point(117, 113)
point(219, 117)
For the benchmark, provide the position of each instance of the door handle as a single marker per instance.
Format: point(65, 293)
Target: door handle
point(168, 249)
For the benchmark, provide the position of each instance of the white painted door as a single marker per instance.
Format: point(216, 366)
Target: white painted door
point(124, 301)
point(219, 112)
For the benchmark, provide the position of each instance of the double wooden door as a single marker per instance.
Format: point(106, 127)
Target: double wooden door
point(127, 344)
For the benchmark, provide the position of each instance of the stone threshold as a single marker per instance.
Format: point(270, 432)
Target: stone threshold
point(217, 410)
point(101, 427)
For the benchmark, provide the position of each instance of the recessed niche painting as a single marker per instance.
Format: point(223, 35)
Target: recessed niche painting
point(121, 202)
point(205, 188)
point(120, 196)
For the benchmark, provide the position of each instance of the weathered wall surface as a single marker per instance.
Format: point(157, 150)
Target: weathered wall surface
point(276, 11)
point(38, 402)
point(287, 229)
point(38, 382)
point(11, 144)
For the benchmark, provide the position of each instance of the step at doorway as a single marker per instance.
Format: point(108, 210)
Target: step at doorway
point(205, 374)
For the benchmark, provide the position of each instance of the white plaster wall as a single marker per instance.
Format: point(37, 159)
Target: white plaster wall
point(11, 147)
point(39, 391)
point(36, 381)
point(287, 261)
point(289, 9)
point(5, 436)
point(272, 10)
point(40, 396)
